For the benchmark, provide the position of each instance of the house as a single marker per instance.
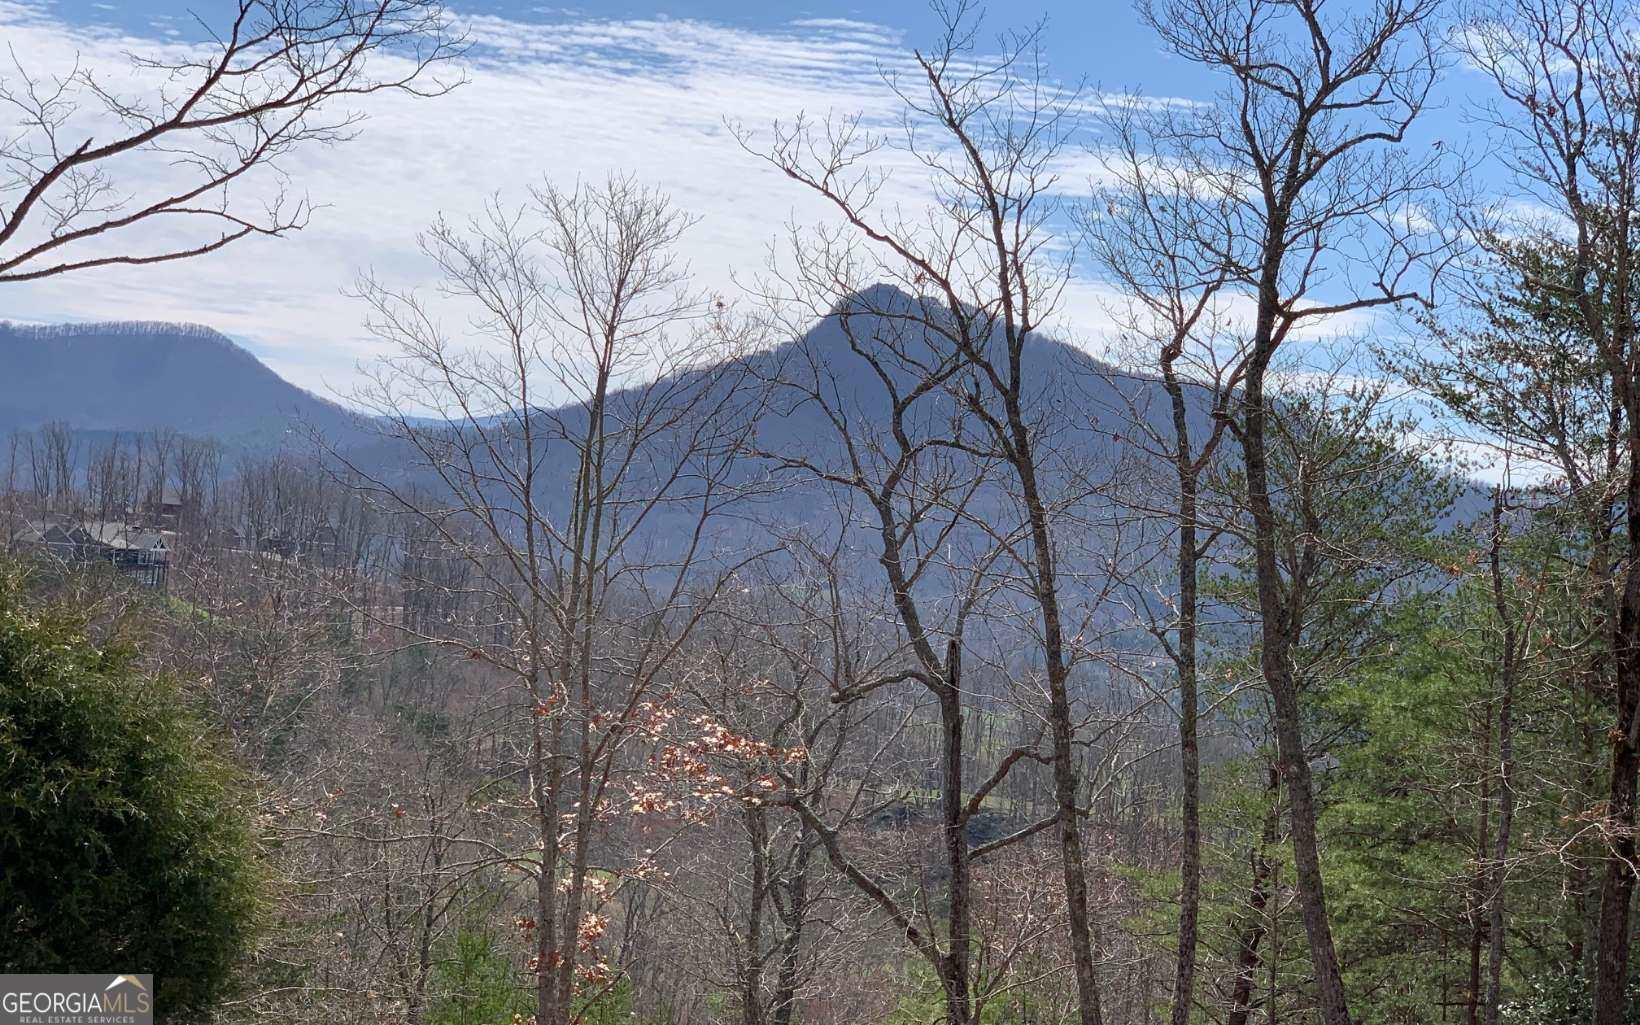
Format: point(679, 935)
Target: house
point(63, 540)
point(277, 542)
point(142, 553)
point(166, 508)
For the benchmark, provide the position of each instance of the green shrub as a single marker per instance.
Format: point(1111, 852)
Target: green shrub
point(475, 984)
point(1565, 998)
point(124, 839)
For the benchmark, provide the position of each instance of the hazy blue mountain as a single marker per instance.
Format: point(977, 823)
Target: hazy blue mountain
point(124, 377)
point(1087, 402)
point(138, 376)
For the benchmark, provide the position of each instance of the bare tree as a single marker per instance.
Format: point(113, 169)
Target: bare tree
point(103, 172)
point(1252, 921)
point(1514, 373)
point(1568, 83)
point(775, 922)
point(1355, 497)
point(887, 440)
point(1329, 217)
point(582, 444)
point(983, 277)
point(1514, 628)
point(1154, 227)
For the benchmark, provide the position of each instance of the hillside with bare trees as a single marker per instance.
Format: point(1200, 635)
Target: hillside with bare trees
point(876, 641)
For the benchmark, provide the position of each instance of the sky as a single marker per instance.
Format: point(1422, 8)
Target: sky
point(556, 93)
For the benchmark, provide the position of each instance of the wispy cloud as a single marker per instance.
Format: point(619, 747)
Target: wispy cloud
point(561, 98)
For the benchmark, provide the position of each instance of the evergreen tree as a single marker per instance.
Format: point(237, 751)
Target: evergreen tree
point(124, 840)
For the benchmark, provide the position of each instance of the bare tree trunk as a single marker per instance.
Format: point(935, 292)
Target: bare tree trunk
point(1300, 139)
point(547, 783)
point(1258, 900)
point(1582, 147)
point(1069, 822)
point(751, 946)
point(1600, 674)
point(985, 321)
point(1190, 855)
point(1617, 888)
point(564, 306)
point(954, 970)
point(1277, 634)
point(784, 1004)
point(1602, 279)
point(1478, 885)
point(1506, 771)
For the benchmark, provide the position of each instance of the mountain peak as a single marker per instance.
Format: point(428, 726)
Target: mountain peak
point(879, 298)
point(889, 301)
point(144, 375)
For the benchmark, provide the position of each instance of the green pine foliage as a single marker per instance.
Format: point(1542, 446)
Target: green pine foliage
point(124, 837)
point(1560, 997)
point(478, 984)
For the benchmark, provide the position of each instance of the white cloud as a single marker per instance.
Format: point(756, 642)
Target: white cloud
point(560, 99)
point(565, 97)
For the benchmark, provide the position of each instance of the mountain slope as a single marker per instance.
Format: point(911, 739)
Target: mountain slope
point(1086, 404)
point(140, 376)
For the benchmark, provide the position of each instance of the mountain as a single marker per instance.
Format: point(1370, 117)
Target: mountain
point(1081, 401)
point(138, 376)
point(128, 377)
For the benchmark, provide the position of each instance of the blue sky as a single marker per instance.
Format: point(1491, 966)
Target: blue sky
point(1099, 39)
point(559, 92)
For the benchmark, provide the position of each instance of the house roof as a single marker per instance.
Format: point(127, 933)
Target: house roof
point(108, 533)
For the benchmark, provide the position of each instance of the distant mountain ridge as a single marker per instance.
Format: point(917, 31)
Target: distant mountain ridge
point(125, 377)
point(129, 376)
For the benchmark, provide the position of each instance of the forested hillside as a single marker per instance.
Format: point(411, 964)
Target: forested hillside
point(136, 377)
point(850, 646)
